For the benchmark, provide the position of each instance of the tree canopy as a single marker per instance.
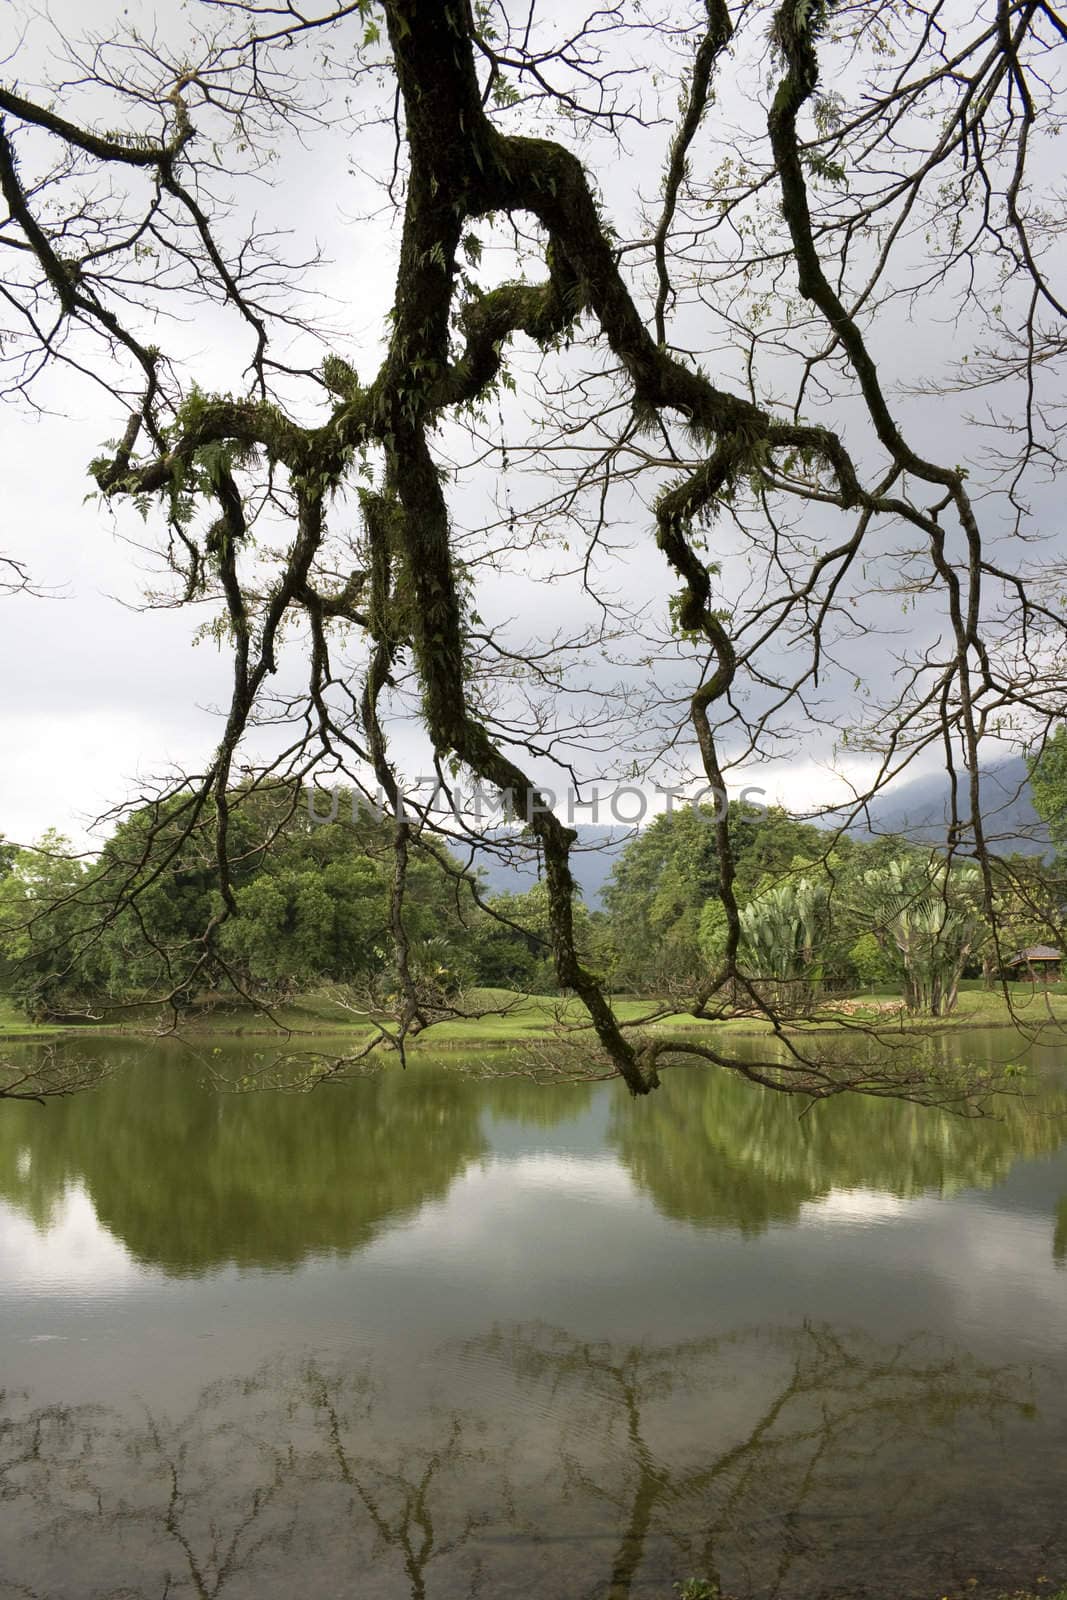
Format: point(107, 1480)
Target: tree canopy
point(314, 909)
point(740, 365)
point(1048, 785)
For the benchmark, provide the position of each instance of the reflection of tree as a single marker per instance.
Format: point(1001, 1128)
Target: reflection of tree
point(266, 1480)
point(182, 1507)
point(400, 1500)
point(535, 1105)
point(192, 1179)
point(1059, 1237)
point(798, 1447)
point(723, 1151)
point(743, 1458)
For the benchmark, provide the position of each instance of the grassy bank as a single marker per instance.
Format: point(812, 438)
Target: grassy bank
point(500, 1018)
point(15, 1025)
point(503, 1018)
point(975, 1008)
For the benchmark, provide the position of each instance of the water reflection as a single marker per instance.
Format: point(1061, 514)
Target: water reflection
point(1059, 1239)
point(190, 1180)
point(723, 1152)
point(415, 1432)
point(530, 1461)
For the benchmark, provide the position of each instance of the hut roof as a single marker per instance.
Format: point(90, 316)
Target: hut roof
point(1036, 952)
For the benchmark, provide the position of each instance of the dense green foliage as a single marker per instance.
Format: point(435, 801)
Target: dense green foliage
point(820, 912)
point(506, 958)
point(40, 922)
point(670, 873)
point(930, 915)
point(1048, 787)
point(313, 907)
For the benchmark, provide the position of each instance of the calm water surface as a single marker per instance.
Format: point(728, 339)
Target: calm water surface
point(431, 1337)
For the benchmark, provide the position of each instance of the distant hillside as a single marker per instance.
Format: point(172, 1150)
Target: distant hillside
point(917, 810)
point(592, 862)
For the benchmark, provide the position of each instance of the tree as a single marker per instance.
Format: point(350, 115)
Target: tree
point(42, 920)
point(875, 964)
point(931, 915)
point(512, 945)
point(654, 900)
point(668, 876)
point(716, 375)
point(783, 931)
point(1048, 786)
point(313, 907)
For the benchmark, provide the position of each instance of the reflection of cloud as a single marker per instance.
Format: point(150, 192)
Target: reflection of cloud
point(74, 1254)
point(467, 1221)
point(974, 1269)
point(859, 1207)
point(997, 1266)
point(579, 1177)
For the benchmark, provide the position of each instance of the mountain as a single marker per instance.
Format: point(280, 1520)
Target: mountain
point(593, 859)
point(920, 809)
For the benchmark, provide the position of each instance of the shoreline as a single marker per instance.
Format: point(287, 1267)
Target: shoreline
point(476, 1040)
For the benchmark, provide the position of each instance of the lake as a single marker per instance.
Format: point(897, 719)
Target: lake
point(431, 1336)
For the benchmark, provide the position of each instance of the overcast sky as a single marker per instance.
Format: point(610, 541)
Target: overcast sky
point(101, 693)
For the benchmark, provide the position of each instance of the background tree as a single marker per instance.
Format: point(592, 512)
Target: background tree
point(784, 933)
point(669, 874)
point(42, 922)
point(512, 941)
point(1048, 786)
point(1028, 897)
point(876, 965)
point(931, 914)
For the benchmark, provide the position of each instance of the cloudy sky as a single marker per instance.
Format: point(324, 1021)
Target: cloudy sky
point(101, 692)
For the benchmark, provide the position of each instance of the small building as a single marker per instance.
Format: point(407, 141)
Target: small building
point(1039, 964)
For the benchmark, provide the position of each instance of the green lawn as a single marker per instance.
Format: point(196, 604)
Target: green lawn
point(504, 1018)
point(527, 1017)
point(509, 1019)
point(15, 1025)
point(977, 1007)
